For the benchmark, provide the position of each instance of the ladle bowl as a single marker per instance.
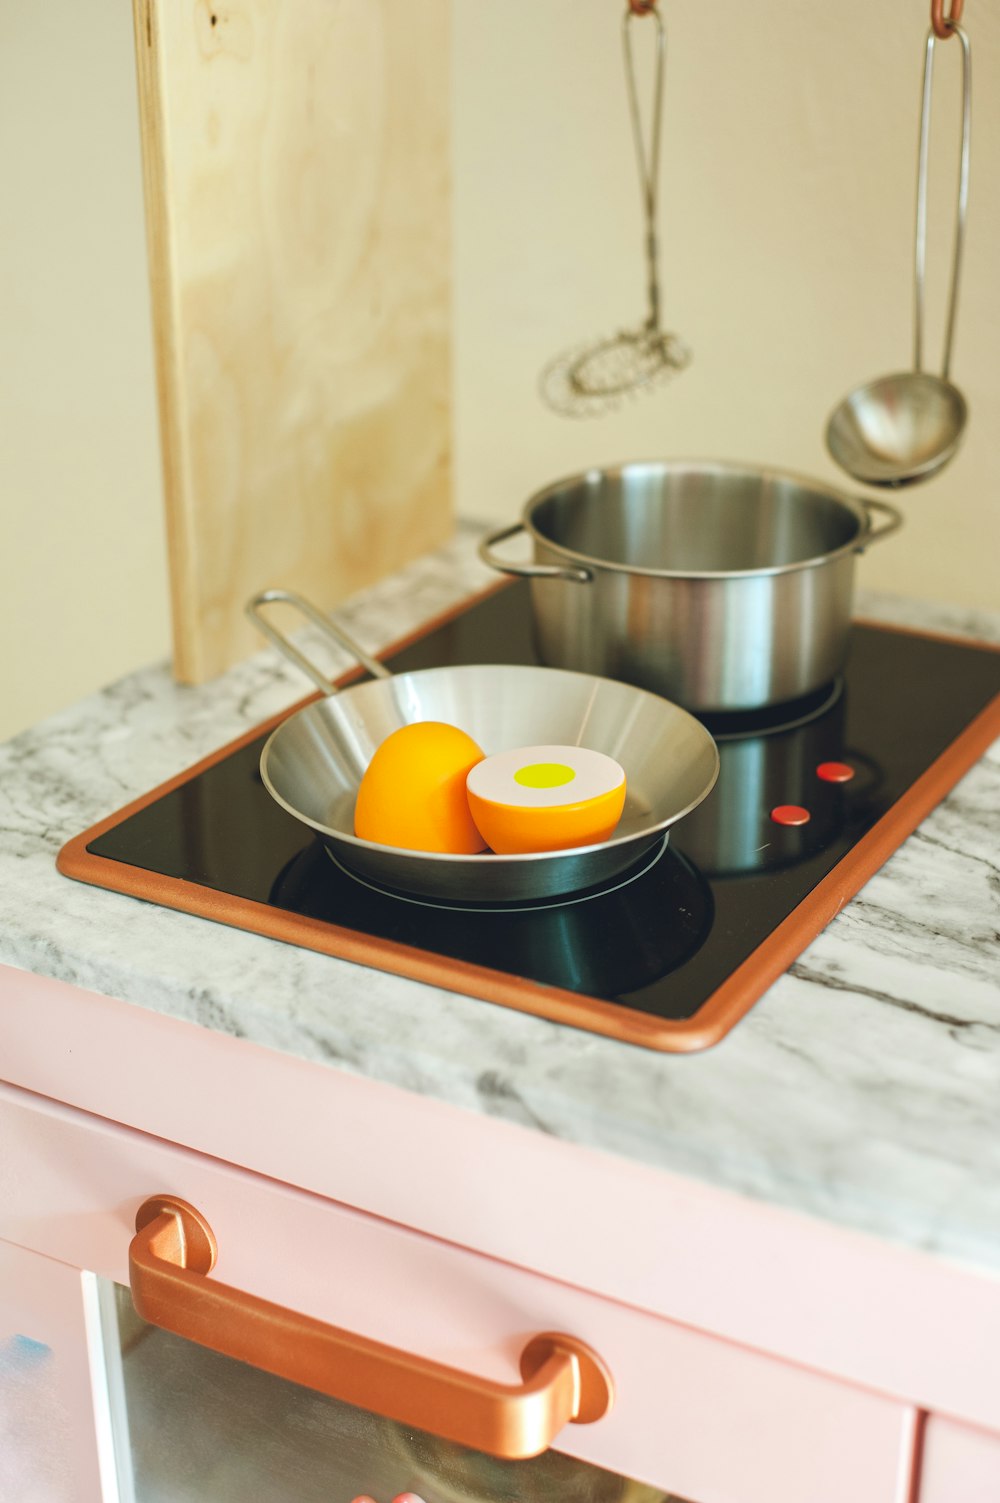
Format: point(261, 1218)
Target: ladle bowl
point(897, 429)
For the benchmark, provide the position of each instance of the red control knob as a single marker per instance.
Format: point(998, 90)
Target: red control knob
point(835, 772)
point(790, 814)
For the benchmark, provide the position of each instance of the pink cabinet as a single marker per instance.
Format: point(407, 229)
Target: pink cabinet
point(755, 1356)
point(961, 1464)
point(693, 1415)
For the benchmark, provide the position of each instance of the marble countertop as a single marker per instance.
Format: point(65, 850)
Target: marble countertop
point(864, 1087)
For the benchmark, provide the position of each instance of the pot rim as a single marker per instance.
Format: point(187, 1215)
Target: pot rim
point(857, 506)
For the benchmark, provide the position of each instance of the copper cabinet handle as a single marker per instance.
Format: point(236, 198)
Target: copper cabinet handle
point(174, 1249)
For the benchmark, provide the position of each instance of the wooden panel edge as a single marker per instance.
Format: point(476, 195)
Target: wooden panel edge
point(163, 298)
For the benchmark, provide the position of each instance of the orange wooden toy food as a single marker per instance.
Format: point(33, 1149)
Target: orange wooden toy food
point(546, 798)
point(413, 794)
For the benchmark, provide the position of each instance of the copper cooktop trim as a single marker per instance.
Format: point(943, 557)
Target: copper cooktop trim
point(727, 1004)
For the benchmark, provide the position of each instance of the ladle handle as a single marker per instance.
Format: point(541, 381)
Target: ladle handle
point(330, 629)
point(920, 241)
point(893, 519)
point(528, 571)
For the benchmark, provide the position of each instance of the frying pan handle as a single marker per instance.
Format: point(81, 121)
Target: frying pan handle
point(529, 571)
point(330, 629)
point(874, 533)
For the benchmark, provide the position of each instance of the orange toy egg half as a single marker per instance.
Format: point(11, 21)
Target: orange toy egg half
point(546, 798)
point(413, 795)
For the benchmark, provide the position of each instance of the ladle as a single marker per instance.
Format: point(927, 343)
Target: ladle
point(905, 427)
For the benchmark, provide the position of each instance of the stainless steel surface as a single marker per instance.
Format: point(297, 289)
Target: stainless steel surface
point(590, 380)
point(905, 427)
point(455, 1474)
point(719, 586)
point(323, 623)
point(899, 429)
point(528, 571)
point(313, 762)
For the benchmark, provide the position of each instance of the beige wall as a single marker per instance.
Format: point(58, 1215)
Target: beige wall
point(82, 567)
point(788, 180)
point(789, 165)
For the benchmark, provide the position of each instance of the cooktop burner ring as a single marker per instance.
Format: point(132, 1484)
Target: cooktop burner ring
point(564, 900)
point(742, 725)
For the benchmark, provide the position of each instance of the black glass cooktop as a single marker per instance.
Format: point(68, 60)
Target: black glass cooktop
point(665, 937)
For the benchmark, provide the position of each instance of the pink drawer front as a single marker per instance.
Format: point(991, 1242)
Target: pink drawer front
point(960, 1464)
point(693, 1414)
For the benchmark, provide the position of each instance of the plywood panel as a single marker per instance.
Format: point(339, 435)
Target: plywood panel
point(297, 185)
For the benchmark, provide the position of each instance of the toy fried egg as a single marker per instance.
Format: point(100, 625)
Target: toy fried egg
point(545, 798)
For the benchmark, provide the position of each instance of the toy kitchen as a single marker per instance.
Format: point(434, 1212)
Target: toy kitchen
point(550, 1153)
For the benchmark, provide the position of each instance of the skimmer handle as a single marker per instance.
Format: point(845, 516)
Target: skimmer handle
point(647, 160)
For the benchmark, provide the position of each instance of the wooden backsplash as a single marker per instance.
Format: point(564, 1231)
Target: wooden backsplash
point(298, 212)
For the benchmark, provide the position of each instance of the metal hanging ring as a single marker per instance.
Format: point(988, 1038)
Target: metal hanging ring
point(943, 25)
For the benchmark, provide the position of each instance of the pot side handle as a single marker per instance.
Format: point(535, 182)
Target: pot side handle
point(528, 571)
point(331, 629)
point(874, 534)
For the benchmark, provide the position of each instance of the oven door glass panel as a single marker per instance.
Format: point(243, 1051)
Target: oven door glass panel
point(51, 1383)
point(33, 1421)
point(196, 1427)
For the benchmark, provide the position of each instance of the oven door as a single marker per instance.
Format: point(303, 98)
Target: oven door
point(194, 1426)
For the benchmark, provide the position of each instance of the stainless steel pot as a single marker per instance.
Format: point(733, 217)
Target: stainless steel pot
point(719, 586)
point(313, 762)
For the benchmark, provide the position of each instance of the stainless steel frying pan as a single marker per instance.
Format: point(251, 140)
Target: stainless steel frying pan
point(313, 762)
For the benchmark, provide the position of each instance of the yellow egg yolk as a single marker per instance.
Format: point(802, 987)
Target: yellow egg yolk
point(544, 775)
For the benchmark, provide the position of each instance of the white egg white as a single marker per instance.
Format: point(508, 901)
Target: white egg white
point(594, 774)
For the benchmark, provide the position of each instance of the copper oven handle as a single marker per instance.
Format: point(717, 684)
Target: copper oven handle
point(174, 1249)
